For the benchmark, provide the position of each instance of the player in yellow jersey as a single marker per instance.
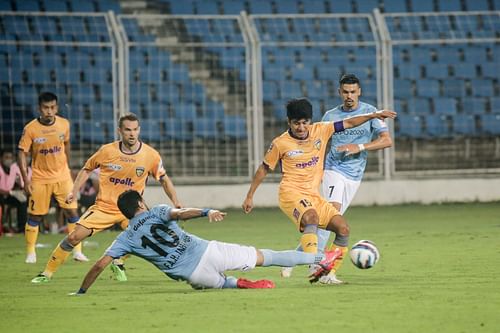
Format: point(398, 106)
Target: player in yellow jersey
point(300, 151)
point(47, 139)
point(124, 165)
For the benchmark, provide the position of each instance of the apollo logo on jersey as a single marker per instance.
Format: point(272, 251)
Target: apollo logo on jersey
point(53, 150)
point(120, 181)
point(307, 164)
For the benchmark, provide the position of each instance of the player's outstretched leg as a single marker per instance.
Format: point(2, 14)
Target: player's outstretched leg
point(326, 265)
point(331, 278)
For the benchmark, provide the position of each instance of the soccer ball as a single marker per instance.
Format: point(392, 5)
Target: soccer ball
point(364, 254)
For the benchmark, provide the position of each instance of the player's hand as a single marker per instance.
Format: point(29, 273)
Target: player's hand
point(69, 198)
point(247, 205)
point(177, 204)
point(28, 189)
point(383, 114)
point(348, 149)
point(215, 215)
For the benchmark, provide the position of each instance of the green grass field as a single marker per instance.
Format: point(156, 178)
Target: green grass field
point(439, 272)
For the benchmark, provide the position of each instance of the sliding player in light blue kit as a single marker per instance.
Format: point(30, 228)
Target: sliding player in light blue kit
point(345, 163)
point(155, 236)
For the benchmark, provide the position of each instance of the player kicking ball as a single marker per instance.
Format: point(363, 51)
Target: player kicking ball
point(155, 236)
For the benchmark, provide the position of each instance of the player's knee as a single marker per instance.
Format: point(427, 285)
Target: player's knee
point(73, 239)
point(66, 245)
point(310, 217)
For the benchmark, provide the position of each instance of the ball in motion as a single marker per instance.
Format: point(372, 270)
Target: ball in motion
point(364, 254)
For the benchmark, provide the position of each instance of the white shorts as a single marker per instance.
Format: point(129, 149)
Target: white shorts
point(335, 187)
point(218, 258)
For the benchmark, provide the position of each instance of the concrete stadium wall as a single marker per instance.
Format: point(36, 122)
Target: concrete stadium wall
point(370, 193)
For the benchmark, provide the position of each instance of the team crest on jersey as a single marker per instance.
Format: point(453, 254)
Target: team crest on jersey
point(317, 144)
point(39, 140)
point(61, 137)
point(139, 171)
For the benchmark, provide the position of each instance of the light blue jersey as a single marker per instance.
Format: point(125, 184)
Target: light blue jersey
point(154, 236)
point(353, 166)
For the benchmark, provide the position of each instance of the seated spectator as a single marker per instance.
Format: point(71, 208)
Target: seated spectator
point(11, 193)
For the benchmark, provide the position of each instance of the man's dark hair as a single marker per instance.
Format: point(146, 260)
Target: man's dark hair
point(128, 203)
point(129, 117)
point(349, 79)
point(46, 97)
point(299, 108)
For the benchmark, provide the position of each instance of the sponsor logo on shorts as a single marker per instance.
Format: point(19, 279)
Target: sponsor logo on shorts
point(114, 167)
point(296, 213)
point(139, 171)
point(293, 153)
point(53, 150)
point(309, 163)
point(40, 140)
point(120, 181)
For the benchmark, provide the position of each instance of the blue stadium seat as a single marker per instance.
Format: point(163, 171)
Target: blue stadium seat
point(406, 71)
point(151, 130)
point(490, 124)
point(465, 70)
point(448, 55)
point(444, 105)
point(419, 106)
point(437, 126)
point(464, 124)
point(437, 71)
point(184, 7)
point(286, 7)
point(403, 88)
point(233, 7)
point(83, 6)
point(454, 88)
point(304, 73)
point(427, 88)
point(93, 131)
point(271, 91)
point(207, 128)
point(482, 88)
point(185, 111)
point(179, 74)
point(206, 7)
point(6, 6)
point(400, 106)
point(235, 127)
point(490, 69)
point(495, 104)
point(213, 110)
point(449, 5)
point(421, 55)
point(314, 6)
point(28, 6)
point(496, 4)
point(422, 5)
point(364, 6)
point(317, 89)
point(473, 105)
point(475, 54)
point(179, 129)
point(395, 6)
point(475, 5)
point(409, 126)
point(55, 5)
point(290, 88)
point(260, 7)
point(113, 5)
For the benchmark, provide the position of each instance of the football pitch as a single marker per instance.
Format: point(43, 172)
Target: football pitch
point(439, 272)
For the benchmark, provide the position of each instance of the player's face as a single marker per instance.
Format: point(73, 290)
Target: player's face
point(299, 127)
point(129, 132)
point(48, 111)
point(350, 95)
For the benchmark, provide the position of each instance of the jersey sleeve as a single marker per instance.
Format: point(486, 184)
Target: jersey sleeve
point(272, 155)
point(327, 129)
point(117, 249)
point(378, 126)
point(67, 133)
point(25, 141)
point(163, 212)
point(158, 171)
point(93, 162)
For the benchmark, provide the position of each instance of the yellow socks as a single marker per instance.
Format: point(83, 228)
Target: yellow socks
point(309, 243)
point(340, 260)
point(71, 227)
point(31, 235)
point(57, 258)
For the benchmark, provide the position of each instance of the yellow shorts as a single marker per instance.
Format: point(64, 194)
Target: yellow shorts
point(97, 220)
point(294, 205)
point(42, 193)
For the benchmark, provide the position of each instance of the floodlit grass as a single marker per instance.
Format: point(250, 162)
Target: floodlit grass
point(439, 272)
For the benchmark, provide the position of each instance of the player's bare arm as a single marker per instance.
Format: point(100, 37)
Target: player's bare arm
point(23, 166)
point(80, 179)
point(259, 176)
point(92, 275)
point(358, 120)
point(169, 189)
point(382, 141)
point(189, 213)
